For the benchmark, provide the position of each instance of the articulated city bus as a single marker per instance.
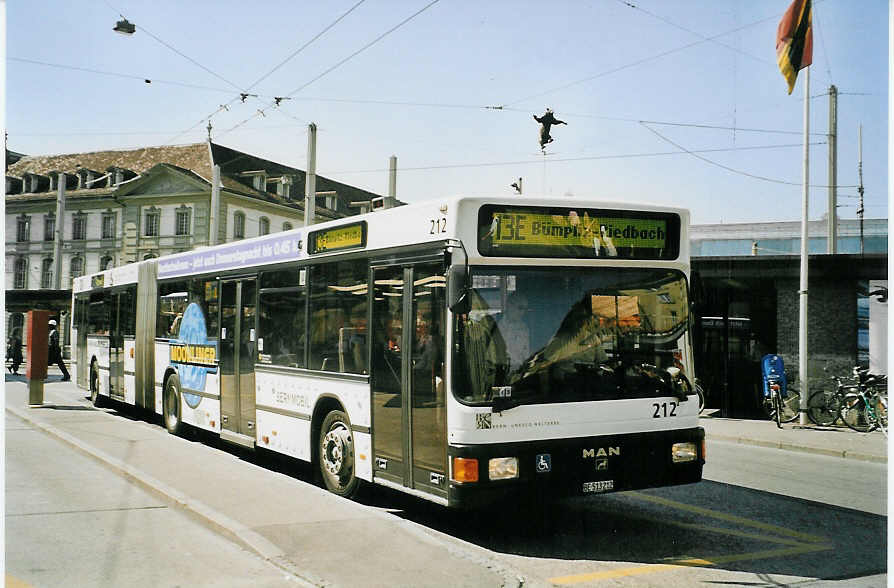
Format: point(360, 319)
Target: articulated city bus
point(461, 350)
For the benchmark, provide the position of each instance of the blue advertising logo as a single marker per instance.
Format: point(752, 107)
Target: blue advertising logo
point(194, 355)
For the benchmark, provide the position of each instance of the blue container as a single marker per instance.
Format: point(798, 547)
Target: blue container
point(773, 372)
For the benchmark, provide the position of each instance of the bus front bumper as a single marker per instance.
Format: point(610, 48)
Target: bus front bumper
point(573, 467)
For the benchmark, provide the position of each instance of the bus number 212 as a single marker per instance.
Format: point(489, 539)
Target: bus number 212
point(438, 225)
point(661, 410)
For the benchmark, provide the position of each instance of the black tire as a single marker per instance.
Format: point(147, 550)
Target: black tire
point(790, 405)
point(96, 398)
point(171, 406)
point(822, 408)
point(701, 396)
point(881, 412)
point(855, 415)
point(336, 455)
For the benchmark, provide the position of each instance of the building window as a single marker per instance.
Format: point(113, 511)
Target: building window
point(153, 216)
point(239, 225)
point(149, 256)
point(287, 226)
point(264, 226)
point(77, 267)
point(107, 262)
point(182, 221)
point(49, 227)
point(21, 274)
point(79, 227)
point(23, 229)
point(46, 273)
point(108, 225)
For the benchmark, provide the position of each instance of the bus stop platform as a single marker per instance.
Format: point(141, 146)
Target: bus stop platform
point(319, 538)
point(835, 441)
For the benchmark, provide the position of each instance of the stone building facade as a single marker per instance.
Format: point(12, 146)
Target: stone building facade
point(125, 206)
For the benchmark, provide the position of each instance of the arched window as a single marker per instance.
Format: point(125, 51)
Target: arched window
point(264, 226)
point(46, 273)
point(239, 225)
point(21, 273)
point(77, 267)
point(287, 226)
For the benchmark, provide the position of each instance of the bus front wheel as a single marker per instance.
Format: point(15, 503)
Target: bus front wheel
point(336, 455)
point(172, 405)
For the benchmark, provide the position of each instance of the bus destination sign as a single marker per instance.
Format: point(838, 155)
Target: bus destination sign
point(516, 231)
point(338, 238)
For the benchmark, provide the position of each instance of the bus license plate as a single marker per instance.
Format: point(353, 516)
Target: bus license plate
point(600, 486)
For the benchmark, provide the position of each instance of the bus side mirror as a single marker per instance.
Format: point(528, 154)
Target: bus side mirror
point(458, 299)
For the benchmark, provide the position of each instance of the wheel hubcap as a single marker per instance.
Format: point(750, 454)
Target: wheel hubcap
point(336, 450)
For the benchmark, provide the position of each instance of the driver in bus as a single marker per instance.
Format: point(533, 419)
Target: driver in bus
point(513, 325)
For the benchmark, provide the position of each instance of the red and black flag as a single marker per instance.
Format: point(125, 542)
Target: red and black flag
point(794, 41)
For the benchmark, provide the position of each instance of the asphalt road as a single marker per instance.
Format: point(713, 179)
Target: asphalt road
point(72, 522)
point(761, 517)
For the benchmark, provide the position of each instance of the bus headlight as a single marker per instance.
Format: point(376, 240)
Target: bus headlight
point(502, 468)
point(683, 452)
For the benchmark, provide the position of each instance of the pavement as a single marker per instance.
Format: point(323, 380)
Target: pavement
point(837, 441)
point(311, 533)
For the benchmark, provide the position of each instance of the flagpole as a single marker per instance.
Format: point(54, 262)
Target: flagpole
point(802, 291)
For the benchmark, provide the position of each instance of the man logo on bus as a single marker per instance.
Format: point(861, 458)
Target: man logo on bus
point(193, 354)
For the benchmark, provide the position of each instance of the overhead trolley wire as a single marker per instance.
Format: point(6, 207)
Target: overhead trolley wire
point(349, 57)
point(731, 169)
point(641, 61)
point(571, 159)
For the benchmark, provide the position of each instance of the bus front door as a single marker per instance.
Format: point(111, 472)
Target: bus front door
point(237, 360)
point(116, 344)
point(409, 406)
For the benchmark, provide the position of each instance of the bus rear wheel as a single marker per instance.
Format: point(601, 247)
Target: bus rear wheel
point(171, 408)
point(336, 455)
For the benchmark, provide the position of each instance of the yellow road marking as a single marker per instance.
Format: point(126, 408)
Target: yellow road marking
point(690, 562)
point(724, 531)
point(13, 582)
point(728, 517)
point(815, 543)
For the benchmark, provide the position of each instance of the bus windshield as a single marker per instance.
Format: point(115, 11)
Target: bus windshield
point(544, 335)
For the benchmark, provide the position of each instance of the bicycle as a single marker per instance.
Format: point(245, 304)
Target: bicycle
point(779, 408)
point(823, 406)
point(701, 394)
point(865, 410)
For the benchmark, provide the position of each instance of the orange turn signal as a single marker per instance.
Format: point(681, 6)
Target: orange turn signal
point(465, 469)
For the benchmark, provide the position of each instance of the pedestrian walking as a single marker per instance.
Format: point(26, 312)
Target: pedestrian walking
point(14, 351)
point(55, 351)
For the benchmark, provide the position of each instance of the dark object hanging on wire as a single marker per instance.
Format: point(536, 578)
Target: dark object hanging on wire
point(546, 122)
point(124, 26)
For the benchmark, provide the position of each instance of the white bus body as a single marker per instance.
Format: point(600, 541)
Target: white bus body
point(372, 345)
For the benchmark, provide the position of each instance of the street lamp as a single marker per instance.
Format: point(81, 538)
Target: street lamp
point(125, 27)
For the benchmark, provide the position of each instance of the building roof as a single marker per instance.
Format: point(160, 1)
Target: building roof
point(195, 159)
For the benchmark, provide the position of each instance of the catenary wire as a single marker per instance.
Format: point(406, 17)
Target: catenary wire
point(349, 57)
point(571, 159)
point(728, 168)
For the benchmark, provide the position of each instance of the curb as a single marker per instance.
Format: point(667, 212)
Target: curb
point(225, 525)
point(785, 445)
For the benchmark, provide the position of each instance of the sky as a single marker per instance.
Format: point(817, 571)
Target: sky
point(674, 102)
